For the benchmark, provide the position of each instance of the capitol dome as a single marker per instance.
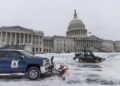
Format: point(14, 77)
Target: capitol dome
point(76, 20)
point(76, 27)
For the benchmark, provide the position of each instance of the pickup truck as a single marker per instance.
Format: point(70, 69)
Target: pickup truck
point(21, 61)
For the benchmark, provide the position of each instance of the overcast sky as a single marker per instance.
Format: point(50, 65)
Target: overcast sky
point(101, 17)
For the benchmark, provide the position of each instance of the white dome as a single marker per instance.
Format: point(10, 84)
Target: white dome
point(76, 27)
point(76, 21)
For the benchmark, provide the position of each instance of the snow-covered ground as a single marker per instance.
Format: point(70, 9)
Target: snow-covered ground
point(106, 73)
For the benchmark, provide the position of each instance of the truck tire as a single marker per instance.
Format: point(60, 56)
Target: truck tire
point(81, 60)
point(33, 73)
point(97, 61)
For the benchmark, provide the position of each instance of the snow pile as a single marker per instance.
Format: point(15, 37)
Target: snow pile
point(111, 67)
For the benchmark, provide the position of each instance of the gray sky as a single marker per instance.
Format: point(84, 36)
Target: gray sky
point(101, 17)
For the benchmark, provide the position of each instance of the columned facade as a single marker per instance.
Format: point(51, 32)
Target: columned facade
point(48, 44)
point(107, 45)
point(15, 38)
point(63, 44)
point(117, 46)
point(17, 35)
point(37, 42)
point(88, 42)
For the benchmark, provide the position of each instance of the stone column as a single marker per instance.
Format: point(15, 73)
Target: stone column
point(28, 35)
point(29, 39)
point(10, 37)
point(32, 39)
point(42, 44)
point(6, 37)
point(88, 43)
point(23, 38)
point(39, 41)
point(19, 38)
point(15, 38)
point(1, 37)
point(96, 43)
point(93, 42)
point(26, 39)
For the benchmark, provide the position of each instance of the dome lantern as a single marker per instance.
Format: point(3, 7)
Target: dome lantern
point(75, 14)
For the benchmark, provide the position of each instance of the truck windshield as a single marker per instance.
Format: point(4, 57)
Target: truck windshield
point(27, 53)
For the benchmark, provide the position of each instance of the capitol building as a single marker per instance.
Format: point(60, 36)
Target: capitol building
point(76, 39)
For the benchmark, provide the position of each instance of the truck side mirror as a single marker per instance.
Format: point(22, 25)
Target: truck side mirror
point(22, 57)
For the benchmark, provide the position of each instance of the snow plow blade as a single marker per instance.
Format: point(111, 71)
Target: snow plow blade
point(91, 60)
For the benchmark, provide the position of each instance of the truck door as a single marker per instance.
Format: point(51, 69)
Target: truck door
point(4, 62)
point(17, 62)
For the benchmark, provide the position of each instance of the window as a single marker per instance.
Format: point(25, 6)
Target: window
point(64, 45)
point(40, 50)
point(15, 55)
point(36, 49)
point(33, 49)
point(3, 54)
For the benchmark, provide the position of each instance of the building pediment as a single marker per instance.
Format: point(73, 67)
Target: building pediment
point(94, 37)
point(16, 29)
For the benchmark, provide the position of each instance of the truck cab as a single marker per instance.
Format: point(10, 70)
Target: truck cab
point(21, 61)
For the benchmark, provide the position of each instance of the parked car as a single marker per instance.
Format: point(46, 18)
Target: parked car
point(21, 61)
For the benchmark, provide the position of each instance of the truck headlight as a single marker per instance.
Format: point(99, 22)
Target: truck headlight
point(46, 62)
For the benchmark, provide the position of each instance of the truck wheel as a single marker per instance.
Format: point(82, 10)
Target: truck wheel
point(97, 61)
point(81, 60)
point(33, 73)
